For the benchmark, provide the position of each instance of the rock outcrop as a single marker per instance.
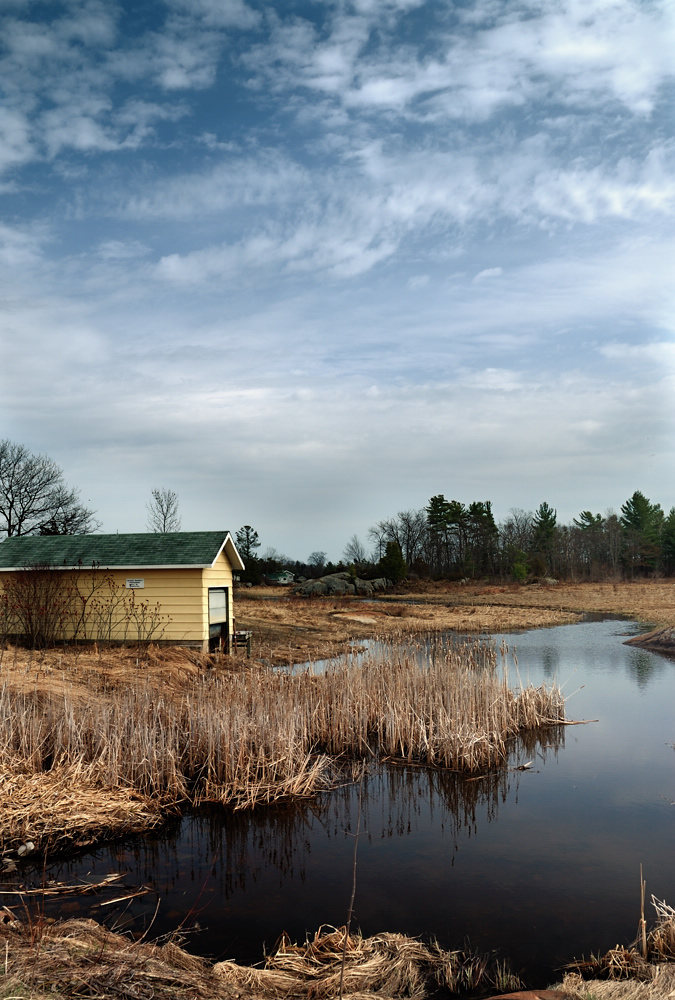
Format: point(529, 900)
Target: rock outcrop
point(338, 584)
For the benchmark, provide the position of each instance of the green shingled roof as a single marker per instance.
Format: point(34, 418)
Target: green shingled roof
point(177, 548)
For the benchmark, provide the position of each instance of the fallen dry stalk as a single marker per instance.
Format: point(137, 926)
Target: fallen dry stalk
point(67, 806)
point(82, 958)
point(63, 889)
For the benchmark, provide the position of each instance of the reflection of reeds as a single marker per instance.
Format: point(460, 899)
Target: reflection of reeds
point(258, 736)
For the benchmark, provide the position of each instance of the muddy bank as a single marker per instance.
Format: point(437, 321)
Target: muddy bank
point(661, 640)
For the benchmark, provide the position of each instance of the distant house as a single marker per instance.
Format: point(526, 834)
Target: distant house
point(184, 578)
point(282, 578)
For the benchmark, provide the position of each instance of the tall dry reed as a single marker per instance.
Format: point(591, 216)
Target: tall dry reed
point(260, 735)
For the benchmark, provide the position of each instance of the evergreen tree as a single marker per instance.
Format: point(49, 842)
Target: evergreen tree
point(247, 542)
point(543, 537)
point(392, 564)
point(482, 538)
point(668, 543)
point(438, 527)
point(590, 538)
point(641, 522)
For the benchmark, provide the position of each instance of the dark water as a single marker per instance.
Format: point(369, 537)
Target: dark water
point(542, 865)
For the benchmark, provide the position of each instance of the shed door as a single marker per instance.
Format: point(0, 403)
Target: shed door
point(218, 617)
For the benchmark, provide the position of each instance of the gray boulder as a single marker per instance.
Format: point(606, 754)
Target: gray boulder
point(340, 584)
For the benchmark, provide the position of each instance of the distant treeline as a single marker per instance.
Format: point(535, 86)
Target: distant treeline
point(454, 540)
point(448, 539)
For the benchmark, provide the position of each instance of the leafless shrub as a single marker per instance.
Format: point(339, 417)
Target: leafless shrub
point(39, 605)
point(43, 605)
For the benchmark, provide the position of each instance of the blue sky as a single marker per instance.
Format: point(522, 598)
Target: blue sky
point(309, 264)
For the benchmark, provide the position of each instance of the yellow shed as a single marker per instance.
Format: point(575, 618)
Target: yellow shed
point(174, 587)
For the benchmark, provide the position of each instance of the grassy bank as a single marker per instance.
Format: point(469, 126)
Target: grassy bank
point(84, 959)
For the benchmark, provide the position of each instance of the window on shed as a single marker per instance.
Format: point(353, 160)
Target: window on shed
point(217, 604)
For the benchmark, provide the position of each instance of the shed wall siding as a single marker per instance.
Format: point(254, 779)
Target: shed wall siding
point(179, 595)
point(182, 596)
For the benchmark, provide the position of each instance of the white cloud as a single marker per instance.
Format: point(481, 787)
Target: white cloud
point(20, 248)
point(581, 53)
point(270, 178)
point(122, 250)
point(660, 353)
point(488, 272)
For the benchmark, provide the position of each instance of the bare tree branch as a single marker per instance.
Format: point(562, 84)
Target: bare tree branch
point(34, 499)
point(163, 515)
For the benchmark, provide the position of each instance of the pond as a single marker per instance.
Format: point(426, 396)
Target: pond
point(542, 865)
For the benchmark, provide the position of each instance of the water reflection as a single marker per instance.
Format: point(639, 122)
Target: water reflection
point(643, 666)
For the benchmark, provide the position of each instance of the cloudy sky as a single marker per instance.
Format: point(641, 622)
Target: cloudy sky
point(310, 263)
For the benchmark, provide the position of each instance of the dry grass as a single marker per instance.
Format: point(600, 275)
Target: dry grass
point(82, 958)
point(651, 601)
point(433, 703)
point(68, 806)
point(290, 630)
point(624, 972)
point(659, 986)
point(385, 965)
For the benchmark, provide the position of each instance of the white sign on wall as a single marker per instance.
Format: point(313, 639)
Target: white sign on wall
point(135, 583)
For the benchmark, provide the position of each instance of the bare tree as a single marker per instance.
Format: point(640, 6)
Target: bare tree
point(163, 515)
point(355, 552)
point(517, 529)
point(34, 499)
point(408, 529)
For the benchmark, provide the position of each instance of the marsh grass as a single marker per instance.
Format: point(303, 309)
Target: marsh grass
point(258, 735)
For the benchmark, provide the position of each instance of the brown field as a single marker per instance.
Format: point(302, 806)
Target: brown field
point(290, 629)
